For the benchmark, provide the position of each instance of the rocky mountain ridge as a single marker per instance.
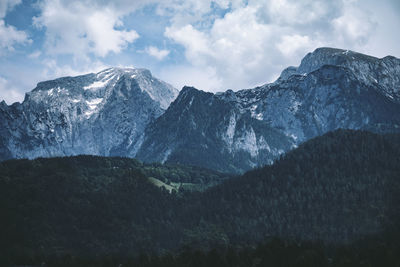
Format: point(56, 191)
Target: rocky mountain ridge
point(100, 114)
point(237, 131)
point(127, 112)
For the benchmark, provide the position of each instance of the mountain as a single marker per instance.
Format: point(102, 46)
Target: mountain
point(212, 130)
point(337, 188)
point(100, 114)
point(128, 112)
point(237, 131)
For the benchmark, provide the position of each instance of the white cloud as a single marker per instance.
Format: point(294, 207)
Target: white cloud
point(237, 47)
point(7, 5)
point(184, 12)
point(35, 54)
point(197, 44)
point(9, 93)
point(226, 43)
point(254, 41)
point(386, 20)
point(291, 44)
point(10, 36)
point(204, 79)
point(295, 12)
point(159, 54)
point(354, 26)
point(83, 28)
point(53, 70)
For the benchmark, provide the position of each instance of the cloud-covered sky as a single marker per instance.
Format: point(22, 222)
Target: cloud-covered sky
point(213, 45)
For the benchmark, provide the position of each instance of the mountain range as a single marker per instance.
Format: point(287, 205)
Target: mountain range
point(130, 113)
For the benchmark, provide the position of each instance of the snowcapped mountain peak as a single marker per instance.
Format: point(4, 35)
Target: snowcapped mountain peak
point(73, 90)
point(101, 113)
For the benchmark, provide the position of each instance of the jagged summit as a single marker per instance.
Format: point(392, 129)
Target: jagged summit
point(382, 73)
point(190, 91)
point(99, 85)
point(101, 113)
point(333, 56)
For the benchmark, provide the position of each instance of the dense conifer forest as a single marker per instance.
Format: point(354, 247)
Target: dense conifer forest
point(333, 201)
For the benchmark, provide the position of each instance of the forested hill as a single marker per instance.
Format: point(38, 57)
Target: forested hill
point(91, 204)
point(337, 188)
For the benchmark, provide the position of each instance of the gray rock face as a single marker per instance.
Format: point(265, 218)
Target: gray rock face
point(214, 131)
point(236, 131)
point(101, 114)
point(383, 73)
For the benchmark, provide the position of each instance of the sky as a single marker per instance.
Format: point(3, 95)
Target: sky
point(213, 45)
